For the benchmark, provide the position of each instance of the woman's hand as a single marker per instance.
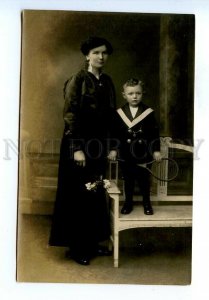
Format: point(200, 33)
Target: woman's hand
point(112, 155)
point(157, 156)
point(79, 158)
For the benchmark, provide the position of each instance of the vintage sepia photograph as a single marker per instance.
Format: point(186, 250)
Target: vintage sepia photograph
point(106, 148)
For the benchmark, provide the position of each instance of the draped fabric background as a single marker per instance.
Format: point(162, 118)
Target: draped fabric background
point(156, 48)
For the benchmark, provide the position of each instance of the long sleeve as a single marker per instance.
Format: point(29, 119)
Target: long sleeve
point(138, 141)
point(89, 103)
point(71, 112)
point(154, 135)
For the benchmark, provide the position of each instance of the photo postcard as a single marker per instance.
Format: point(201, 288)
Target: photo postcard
point(92, 85)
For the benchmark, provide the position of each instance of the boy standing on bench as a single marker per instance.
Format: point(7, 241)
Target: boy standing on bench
point(137, 133)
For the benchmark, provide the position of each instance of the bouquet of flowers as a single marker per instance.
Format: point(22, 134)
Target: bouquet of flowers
point(101, 183)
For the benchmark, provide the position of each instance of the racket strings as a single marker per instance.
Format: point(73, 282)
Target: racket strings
point(165, 170)
point(159, 170)
point(172, 170)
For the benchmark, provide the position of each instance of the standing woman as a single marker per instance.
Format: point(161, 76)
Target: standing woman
point(80, 218)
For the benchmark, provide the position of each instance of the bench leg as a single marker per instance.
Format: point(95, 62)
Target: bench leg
point(116, 249)
point(114, 213)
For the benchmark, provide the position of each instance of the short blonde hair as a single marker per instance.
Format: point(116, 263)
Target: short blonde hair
point(133, 82)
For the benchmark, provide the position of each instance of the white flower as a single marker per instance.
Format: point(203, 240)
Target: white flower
point(93, 186)
point(106, 183)
point(88, 186)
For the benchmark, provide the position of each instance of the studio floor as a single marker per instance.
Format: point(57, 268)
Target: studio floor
point(147, 256)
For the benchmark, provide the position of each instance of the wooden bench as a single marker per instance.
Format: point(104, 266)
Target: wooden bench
point(172, 206)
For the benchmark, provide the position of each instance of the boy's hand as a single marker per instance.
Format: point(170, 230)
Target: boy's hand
point(112, 155)
point(157, 156)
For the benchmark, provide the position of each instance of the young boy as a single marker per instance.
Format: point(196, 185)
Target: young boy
point(138, 135)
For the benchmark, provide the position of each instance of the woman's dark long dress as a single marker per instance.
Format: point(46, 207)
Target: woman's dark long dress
point(80, 217)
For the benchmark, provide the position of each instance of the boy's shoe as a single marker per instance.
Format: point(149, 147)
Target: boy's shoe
point(127, 208)
point(148, 209)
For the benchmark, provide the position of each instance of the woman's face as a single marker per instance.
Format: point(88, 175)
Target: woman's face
point(97, 57)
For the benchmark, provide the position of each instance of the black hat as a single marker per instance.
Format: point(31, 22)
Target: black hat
point(94, 42)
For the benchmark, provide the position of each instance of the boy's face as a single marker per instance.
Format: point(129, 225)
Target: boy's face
point(133, 95)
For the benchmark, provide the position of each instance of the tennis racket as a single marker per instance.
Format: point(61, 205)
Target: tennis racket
point(164, 170)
